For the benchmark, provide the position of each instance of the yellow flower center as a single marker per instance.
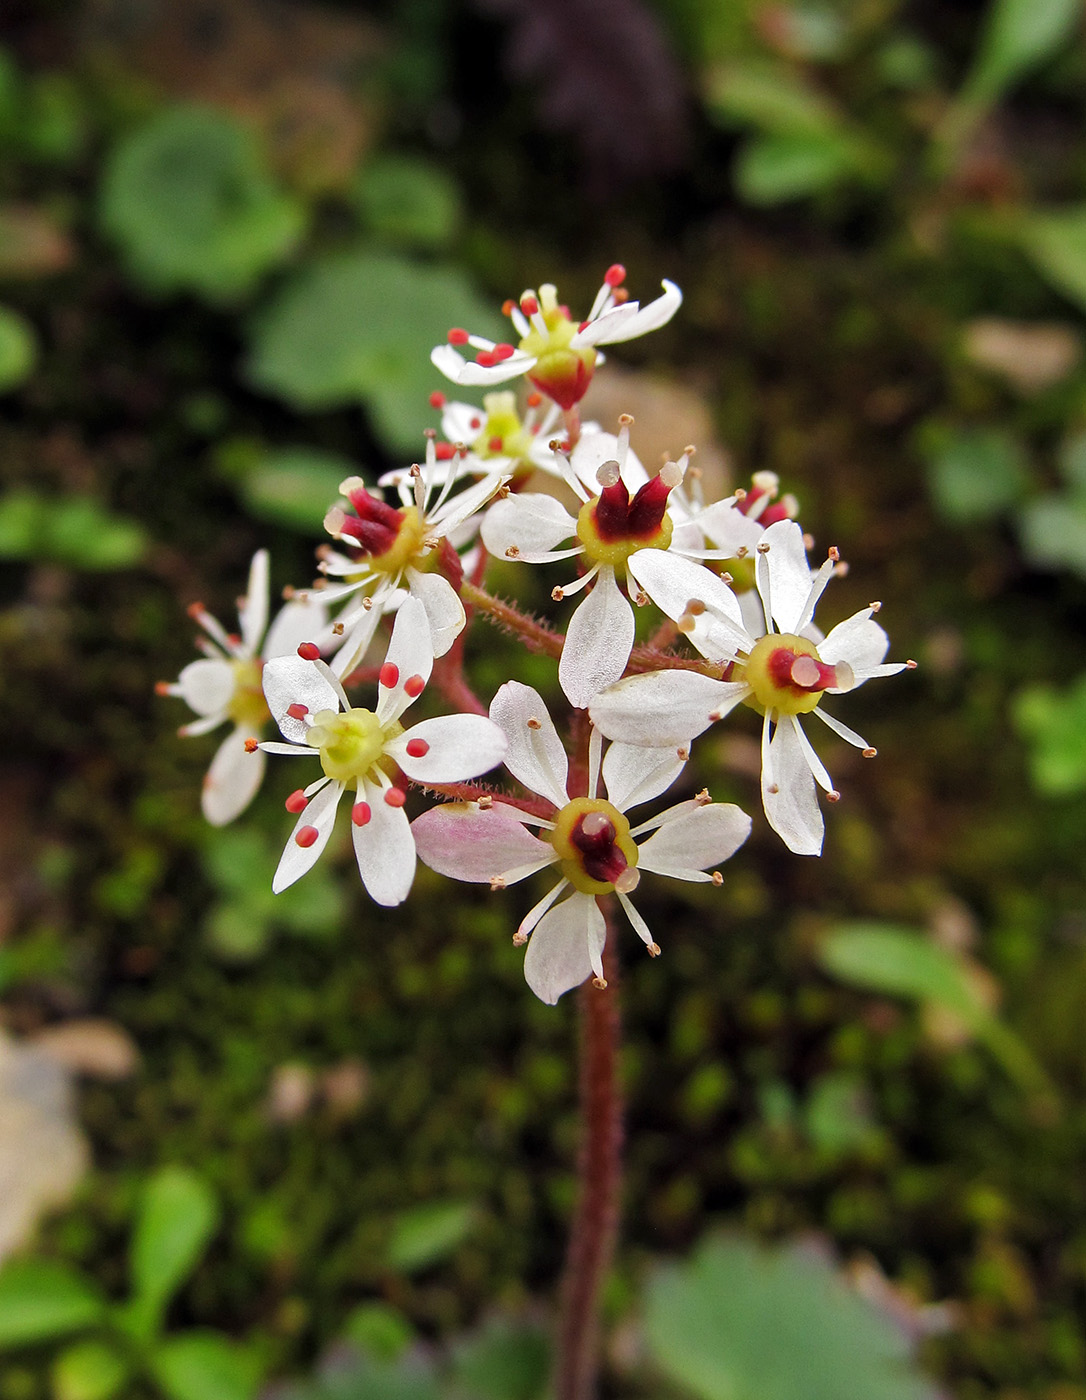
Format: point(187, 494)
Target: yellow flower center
point(351, 743)
point(785, 674)
point(248, 708)
point(593, 839)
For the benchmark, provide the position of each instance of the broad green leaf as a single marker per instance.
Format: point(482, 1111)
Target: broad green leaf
point(502, 1362)
point(772, 169)
point(429, 1233)
point(771, 98)
point(191, 202)
point(18, 349)
point(974, 473)
point(1053, 723)
point(1052, 529)
point(90, 1370)
point(408, 203)
point(740, 1322)
point(359, 327)
point(40, 1299)
point(884, 958)
point(177, 1218)
point(380, 1330)
point(295, 486)
point(73, 530)
point(205, 1366)
point(1056, 244)
point(1019, 35)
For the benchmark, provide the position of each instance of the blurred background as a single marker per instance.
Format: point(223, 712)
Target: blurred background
point(296, 1146)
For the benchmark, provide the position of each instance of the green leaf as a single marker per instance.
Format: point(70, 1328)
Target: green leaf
point(975, 473)
point(177, 1218)
point(295, 486)
point(1052, 529)
point(18, 349)
point(205, 1366)
point(408, 203)
point(73, 530)
point(41, 1299)
point(429, 1233)
point(771, 98)
point(1056, 244)
point(359, 327)
point(739, 1322)
point(884, 958)
point(191, 202)
point(90, 1370)
point(1019, 35)
point(380, 1330)
point(1053, 723)
point(502, 1362)
point(772, 169)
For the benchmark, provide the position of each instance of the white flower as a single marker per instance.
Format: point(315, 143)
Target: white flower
point(360, 750)
point(391, 548)
point(783, 673)
point(589, 837)
point(557, 355)
point(225, 685)
point(623, 531)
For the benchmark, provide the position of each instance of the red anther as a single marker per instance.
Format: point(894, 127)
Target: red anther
point(389, 674)
point(583, 324)
point(234, 639)
point(162, 687)
point(414, 686)
point(486, 358)
point(418, 748)
point(297, 710)
point(507, 306)
point(615, 275)
point(195, 611)
point(296, 802)
point(251, 746)
point(502, 352)
point(437, 399)
point(534, 400)
point(476, 423)
point(395, 797)
point(306, 837)
point(529, 305)
point(457, 336)
point(360, 813)
point(496, 444)
point(309, 651)
point(443, 451)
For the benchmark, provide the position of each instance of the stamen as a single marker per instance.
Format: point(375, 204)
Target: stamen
point(600, 983)
point(833, 795)
point(418, 748)
point(485, 803)
point(869, 753)
point(395, 797)
point(437, 399)
point(615, 275)
point(534, 723)
point(306, 837)
point(654, 950)
point(457, 336)
point(389, 675)
point(309, 651)
point(296, 802)
point(361, 813)
point(297, 710)
point(718, 879)
point(251, 746)
point(414, 686)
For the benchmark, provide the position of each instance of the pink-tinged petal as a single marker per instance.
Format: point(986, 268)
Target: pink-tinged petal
point(859, 642)
point(290, 681)
point(784, 576)
point(789, 794)
point(593, 449)
point(634, 774)
point(319, 814)
point(385, 849)
point(561, 948)
point(529, 525)
point(449, 749)
point(663, 707)
point(356, 640)
point(206, 686)
point(232, 780)
point(408, 661)
point(469, 842)
point(253, 609)
point(469, 374)
point(444, 610)
point(673, 583)
point(695, 841)
point(536, 757)
point(613, 326)
point(294, 623)
point(598, 641)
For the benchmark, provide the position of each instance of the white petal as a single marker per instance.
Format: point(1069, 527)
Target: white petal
point(636, 774)
point(411, 652)
point(356, 640)
point(467, 373)
point(859, 641)
point(290, 680)
point(532, 525)
point(253, 612)
point(384, 849)
point(663, 707)
point(460, 746)
point(207, 686)
point(841, 730)
point(673, 582)
point(694, 841)
point(598, 641)
point(444, 610)
point(784, 576)
point(536, 757)
point(728, 528)
point(560, 950)
point(295, 622)
point(462, 422)
point(592, 450)
point(611, 328)
point(319, 812)
point(232, 780)
point(789, 793)
point(468, 842)
point(457, 508)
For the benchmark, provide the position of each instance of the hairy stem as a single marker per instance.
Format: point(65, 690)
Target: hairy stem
point(535, 635)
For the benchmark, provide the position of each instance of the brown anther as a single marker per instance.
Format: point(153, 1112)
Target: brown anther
point(702, 798)
point(288, 592)
point(653, 950)
point(251, 746)
point(318, 584)
point(642, 598)
point(875, 607)
point(162, 687)
point(555, 444)
point(808, 540)
point(742, 552)
point(773, 789)
point(501, 493)
point(833, 553)
point(194, 610)
point(695, 607)
point(689, 449)
point(367, 603)
point(625, 420)
point(841, 570)
point(740, 494)
point(534, 723)
point(685, 624)
point(415, 472)
point(725, 577)
point(497, 882)
point(512, 552)
point(718, 879)
point(682, 755)
point(910, 665)
point(322, 552)
point(763, 547)
point(600, 982)
point(694, 473)
point(519, 939)
point(485, 803)
point(558, 594)
point(870, 753)
point(337, 629)
point(833, 795)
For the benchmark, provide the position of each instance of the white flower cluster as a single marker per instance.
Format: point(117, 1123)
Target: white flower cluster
point(730, 580)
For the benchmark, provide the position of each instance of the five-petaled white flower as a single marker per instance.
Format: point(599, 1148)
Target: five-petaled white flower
point(390, 548)
point(784, 673)
point(589, 838)
point(557, 354)
point(360, 751)
point(623, 531)
point(225, 685)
